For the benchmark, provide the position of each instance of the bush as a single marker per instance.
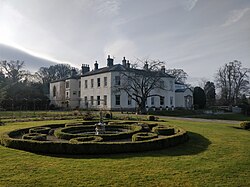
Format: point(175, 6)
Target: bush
point(163, 130)
point(151, 118)
point(41, 130)
point(88, 115)
point(143, 136)
point(34, 136)
point(245, 124)
point(85, 139)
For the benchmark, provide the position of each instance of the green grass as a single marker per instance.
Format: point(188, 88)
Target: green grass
point(216, 155)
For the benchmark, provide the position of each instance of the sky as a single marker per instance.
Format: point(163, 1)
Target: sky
point(198, 36)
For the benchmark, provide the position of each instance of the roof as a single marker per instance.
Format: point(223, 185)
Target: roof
point(116, 67)
point(119, 67)
point(182, 90)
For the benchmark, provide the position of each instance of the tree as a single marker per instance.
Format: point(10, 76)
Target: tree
point(139, 83)
point(47, 74)
point(209, 90)
point(179, 74)
point(233, 80)
point(199, 98)
point(13, 70)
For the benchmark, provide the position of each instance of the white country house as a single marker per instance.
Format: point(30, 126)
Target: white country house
point(97, 89)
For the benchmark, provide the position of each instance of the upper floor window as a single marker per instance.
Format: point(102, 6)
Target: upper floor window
point(92, 100)
point(105, 81)
point(79, 84)
point(98, 82)
point(117, 80)
point(67, 84)
point(171, 85)
point(86, 83)
point(161, 84)
point(92, 83)
point(54, 91)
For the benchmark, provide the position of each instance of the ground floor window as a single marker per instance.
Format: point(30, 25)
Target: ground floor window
point(105, 100)
point(92, 100)
point(117, 100)
point(162, 100)
point(98, 100)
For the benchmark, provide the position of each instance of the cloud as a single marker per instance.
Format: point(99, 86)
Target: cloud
point(120, 48)
point(235, 16)
point(189, 4)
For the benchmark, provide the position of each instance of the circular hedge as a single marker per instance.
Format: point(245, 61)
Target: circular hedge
point(142, 136)
point(122, 132)
point(12, 139)
point(41, 130)
point(164, 130)
point(34, 136)
point(85, 139)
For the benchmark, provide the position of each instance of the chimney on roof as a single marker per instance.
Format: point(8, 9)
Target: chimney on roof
point(163, 69)
point(124, 62)
point(146, 66)
point(128, 64)
point(85, 68)
point(96, 65)
point(73, 73)
point(110, 61)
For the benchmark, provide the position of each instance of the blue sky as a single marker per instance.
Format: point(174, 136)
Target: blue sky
point(198, 36)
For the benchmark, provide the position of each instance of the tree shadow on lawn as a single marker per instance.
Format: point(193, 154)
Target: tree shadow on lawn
point(195, 145)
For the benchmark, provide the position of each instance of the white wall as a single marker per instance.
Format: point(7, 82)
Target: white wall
point(60, 93)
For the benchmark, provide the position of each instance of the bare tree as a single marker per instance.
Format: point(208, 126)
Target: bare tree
point(233, 80)
point(14, 70)
point(139, 83)
point(179, 74)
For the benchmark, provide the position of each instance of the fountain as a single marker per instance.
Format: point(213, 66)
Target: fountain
point(100, 127)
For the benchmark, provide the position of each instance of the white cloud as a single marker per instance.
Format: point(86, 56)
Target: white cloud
point(189, 4)
point(235, 16)
point(120, 48)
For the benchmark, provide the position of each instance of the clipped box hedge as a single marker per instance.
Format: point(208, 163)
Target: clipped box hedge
point(85, 139)
point(68, 133)
point(10, 139)
point(163, 130)
point(41, 130)
point(245, 124)
point(35, 136)
point(142, 136)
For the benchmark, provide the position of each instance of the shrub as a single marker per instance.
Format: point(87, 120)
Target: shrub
point(34, 136)
point(163, 130)
point(88, 115)
point(143, 136)
point(245, 124)
point(85, 139)
point(41, 130)
point(151, 118)
point(108, 116)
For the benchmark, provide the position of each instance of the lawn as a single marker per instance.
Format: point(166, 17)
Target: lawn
point(216, 155)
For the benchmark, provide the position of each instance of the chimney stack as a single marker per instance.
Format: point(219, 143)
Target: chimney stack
point(146, 65)
point(124, 62)
point(110, 61)
point(85, 68)
point(163, 69)
point(128, 64)
point(96, 65)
